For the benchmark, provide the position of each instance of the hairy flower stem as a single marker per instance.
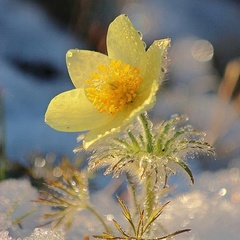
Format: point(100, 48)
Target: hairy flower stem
point(150, 195)
point(98, 216)
point(132, 187)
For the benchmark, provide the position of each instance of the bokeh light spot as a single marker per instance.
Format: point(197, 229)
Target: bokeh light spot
point(202, 50)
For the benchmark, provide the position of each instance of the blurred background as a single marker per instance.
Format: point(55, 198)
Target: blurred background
point(202, 79)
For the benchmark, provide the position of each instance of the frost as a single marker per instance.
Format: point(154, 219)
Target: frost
point(4, 235)
point(46, 234)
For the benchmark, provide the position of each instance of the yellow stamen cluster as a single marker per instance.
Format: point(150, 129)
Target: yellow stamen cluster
point(114, 86)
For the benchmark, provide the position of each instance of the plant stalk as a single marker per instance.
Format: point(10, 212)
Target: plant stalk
point(133, 193)
point(98, 216)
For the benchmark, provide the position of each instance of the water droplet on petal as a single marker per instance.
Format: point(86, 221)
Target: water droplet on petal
point(140, 35)
point(164, 70)
point(69, 54)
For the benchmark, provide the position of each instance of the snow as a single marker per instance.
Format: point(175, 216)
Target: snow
point(210, 209)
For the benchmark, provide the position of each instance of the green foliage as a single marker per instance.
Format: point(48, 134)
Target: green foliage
point(146, 150)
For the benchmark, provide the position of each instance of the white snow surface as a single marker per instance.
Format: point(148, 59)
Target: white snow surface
point(210, 209)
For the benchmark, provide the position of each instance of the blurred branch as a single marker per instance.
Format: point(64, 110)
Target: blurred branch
point(227, 96)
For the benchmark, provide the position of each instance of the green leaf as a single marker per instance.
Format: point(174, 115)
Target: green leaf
point(127, 214)
point(154, 215)
point(119, 228)
point(105, 236)
point(140, 224)
point(148, 133)
point(185, 167)
point(171, 234)
point(134, 141)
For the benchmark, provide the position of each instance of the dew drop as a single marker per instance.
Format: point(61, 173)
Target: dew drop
point(69, 54)
point(109, 217)
point(140, 35)
point(222, 192)
point(50, 158)
point(163, 69)
point(175, 116)
point(188, 128)
point(57, 172)
point(39, 162)
point(73, 183)
point(80, 137)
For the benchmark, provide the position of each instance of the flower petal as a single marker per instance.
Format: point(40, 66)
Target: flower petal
point(155, 61)
point(99, 133)
point(81, 63)
point(144, 102)
point(71, 111)
point(123, 42)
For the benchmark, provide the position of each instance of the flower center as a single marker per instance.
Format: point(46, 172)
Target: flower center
point(114, 86)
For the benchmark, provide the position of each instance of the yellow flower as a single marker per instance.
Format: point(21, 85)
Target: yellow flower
point(110, 90)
